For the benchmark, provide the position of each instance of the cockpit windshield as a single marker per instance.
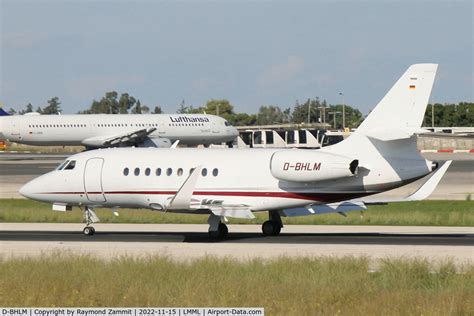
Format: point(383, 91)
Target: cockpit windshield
point(67, 165)
point(61, 166)
point(70, 165)
point(226, 123)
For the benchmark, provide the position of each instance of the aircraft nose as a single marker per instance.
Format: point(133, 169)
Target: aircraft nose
point(26, 190)
point(32, 189)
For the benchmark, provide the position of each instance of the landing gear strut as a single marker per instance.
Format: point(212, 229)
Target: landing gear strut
point(273, 226)
point(90, 217)
point(217, 229)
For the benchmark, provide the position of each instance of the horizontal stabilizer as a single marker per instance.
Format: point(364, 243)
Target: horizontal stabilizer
point(394, 134)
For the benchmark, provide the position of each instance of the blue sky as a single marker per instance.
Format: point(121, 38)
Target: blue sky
point(251, 52)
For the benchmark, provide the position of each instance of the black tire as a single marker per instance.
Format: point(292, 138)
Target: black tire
point(88, 231)
point(221, 232)
point(271, 228)
point(268, 228)
point(213, 234)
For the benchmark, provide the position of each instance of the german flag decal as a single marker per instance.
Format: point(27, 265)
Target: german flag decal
point(412, 87)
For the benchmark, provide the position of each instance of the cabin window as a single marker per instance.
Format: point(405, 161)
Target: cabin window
point(70, 165)
point(158, 172)
point(180, 172)
point(191, 170)
point(137, 171)
point(204, 172)
point(215, 172)
point(147, 171)
point(126, 171)
point(169, 172)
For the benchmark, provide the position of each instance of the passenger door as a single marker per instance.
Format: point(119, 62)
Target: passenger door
point(93, 180)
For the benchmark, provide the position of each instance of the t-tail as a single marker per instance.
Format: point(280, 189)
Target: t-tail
point(400, 113)
point(390, 128)
point(3, 113)
point(386, 142)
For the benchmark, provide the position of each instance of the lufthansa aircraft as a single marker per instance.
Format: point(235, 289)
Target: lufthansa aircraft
point(118, 130)
point(381, 155)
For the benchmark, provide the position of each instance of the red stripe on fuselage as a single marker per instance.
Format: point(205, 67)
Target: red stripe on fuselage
point(316, 196)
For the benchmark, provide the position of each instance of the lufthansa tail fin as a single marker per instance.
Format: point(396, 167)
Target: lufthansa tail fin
point(400, 113)
point(3, 113)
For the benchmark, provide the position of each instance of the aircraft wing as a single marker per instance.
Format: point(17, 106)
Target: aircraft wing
point(361, 204)
point(126, 139)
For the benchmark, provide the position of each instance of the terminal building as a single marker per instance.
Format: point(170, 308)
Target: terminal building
point(312, 136)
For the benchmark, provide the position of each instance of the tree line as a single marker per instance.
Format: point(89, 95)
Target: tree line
point(310, 111)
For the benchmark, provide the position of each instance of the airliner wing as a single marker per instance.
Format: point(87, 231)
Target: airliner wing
point(127, 139)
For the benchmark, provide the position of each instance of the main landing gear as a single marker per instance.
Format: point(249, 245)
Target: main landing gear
point(273, 226)
point(90, 217)
point(217, 229)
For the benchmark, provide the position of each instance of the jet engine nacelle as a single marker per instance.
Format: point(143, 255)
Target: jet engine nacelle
point(311, 166)
point(157, 142)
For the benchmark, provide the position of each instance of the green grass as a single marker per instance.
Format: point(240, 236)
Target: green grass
point(284, 286)
point(424, 213)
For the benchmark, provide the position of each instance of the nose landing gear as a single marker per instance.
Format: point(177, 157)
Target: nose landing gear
point(88, 230)
point(90, 217)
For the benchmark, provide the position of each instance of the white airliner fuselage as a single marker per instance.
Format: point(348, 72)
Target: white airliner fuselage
point(106, 130)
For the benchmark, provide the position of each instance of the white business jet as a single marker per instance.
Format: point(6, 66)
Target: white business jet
point(381, 155)
point(117, 130)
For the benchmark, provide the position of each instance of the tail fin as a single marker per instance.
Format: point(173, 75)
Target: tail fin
point(400, 113)
point(3, 113)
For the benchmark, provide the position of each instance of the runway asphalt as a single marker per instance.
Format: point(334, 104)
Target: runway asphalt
point(184, 242)
point(255, 238)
